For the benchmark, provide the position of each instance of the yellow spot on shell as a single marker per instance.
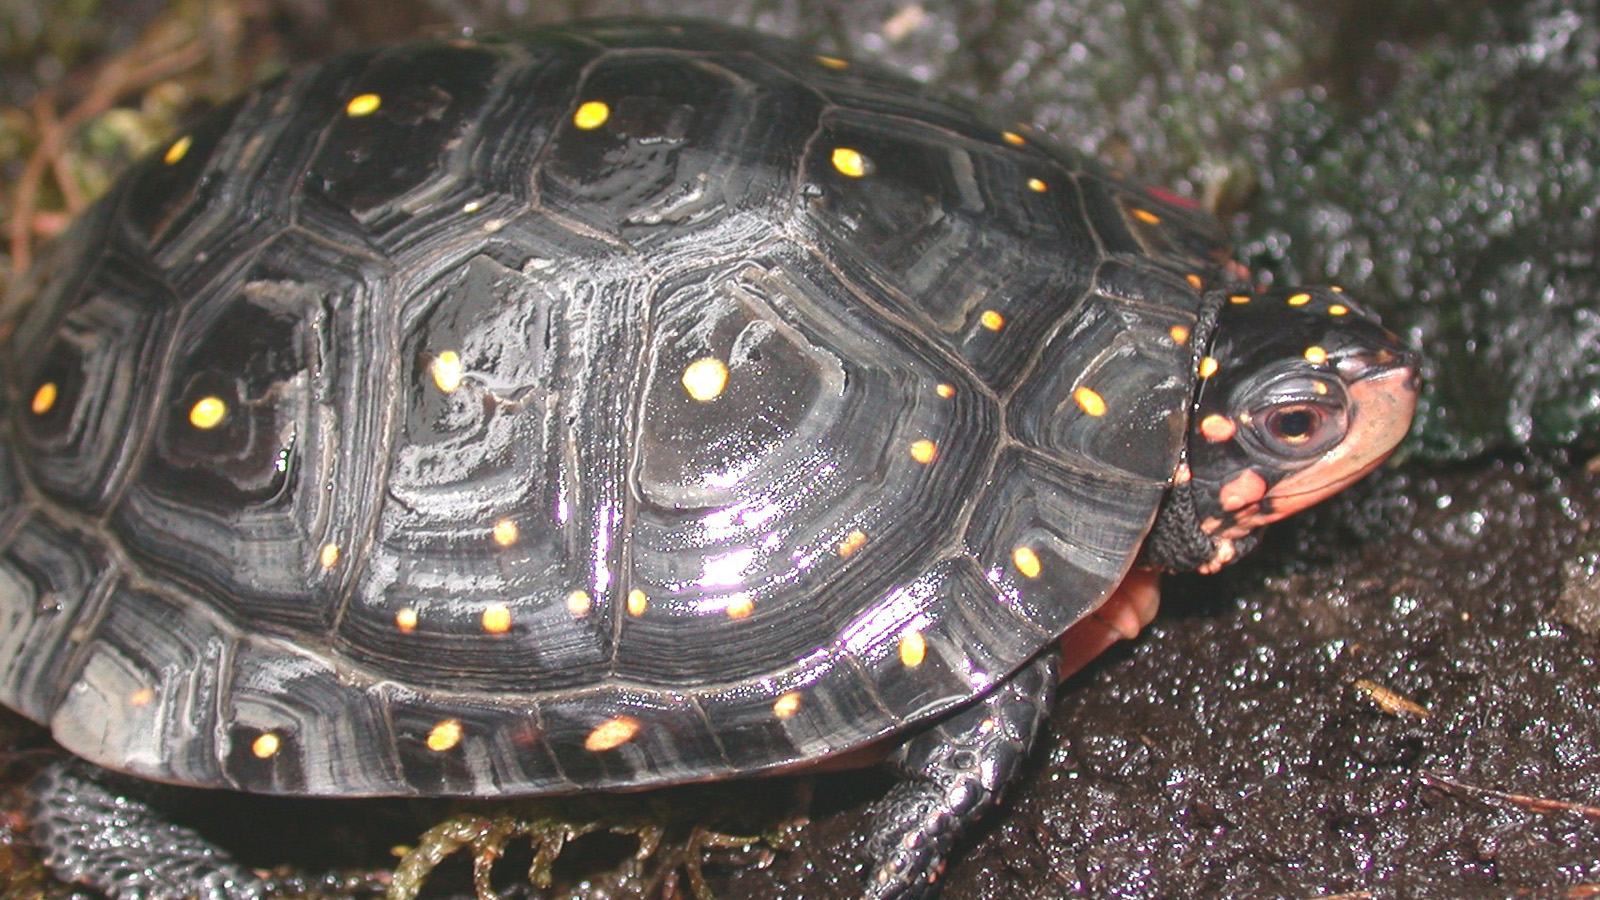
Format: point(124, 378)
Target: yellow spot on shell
point(913, 649)
point(740, 608)
point(445, 735)
point(591, 115)
point(363, 105)
point(1335, 288)
point(1338, 309)
point(851, 543)
point(851, 162)
point(1180, 334)
point(578, 603)
point(1037, 185)
point(1299, 299)
point(497, 619)
point(329, 557)
point(992, 320)
point(705, 378)
point(1090, 401)
point(142, 697)
point(1012, 138)
point(1147, 217)
point(208, 413)
point(786, 705)
point(472, 206)
point(44, 399)
point(1239, 299)
point(637, 602)
point(1316, 355)
point(266, 746)
point(833, 62)
point(178, 150)
point(945, 390)
point(506, 532)
point(1026, 561)
point(1208, 367)
point(611, 734)
point(924, 451)
point(405, 619)
point(447, 371)
point(1194, 281)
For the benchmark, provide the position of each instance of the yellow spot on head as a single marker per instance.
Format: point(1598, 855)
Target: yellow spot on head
point(786, 705)
point(497, 619)
point(1194, 281)
point(1147, 217)
point(266, 746)
point(445, 735)
point(405, 619)
point(1299, 299)
point(44, 399)
point(1217, 428)
point(705, 378)
point(178, 150)
point(913, 649)
point(1180, 334)
point(1012, 138)
point(1089, 401)
point(142, 697)
point(591, 115)
point(945, 390)
point(363, 105)
point(851, 162)
point(208, 413)
point(578, 603)
point(992, 320)
point(329, 557)
point(505, 532)
point(851, 543)
point(833, 62)
point(1316, 355)
point(1338, 309)
point(1037, 185)
point(611, 734)
point(740, 608)
point(1026, 561)
point(1320, 388)
point(447, 371)
point(1208, 367)
point(637, 602)
point(1239, 298)
point(924, 451)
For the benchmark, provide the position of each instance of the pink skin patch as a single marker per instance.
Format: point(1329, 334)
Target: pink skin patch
point(1124, 614)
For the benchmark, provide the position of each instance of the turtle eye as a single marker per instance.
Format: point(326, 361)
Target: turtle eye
point(1299, 429)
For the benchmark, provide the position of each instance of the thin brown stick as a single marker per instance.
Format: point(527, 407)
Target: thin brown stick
point(1533, 804)
point(142, 66)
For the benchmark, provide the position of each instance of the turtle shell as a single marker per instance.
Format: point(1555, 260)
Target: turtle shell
point(588, 408)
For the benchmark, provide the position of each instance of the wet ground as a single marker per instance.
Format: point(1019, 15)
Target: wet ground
point(1394, 698)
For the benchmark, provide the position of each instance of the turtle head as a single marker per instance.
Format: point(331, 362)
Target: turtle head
point(1302, 393)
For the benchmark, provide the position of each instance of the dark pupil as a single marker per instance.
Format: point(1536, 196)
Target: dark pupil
point(1295, 424)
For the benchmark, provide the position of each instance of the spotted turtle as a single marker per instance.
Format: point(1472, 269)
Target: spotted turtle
point(621, 405)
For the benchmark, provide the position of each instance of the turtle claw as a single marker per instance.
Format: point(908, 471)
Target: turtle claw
point(955, 772)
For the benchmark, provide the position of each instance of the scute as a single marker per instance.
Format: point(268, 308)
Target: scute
point(596, 408)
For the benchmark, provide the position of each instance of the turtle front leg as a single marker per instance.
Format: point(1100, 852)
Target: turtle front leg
point(954, 772)
point(96, 828)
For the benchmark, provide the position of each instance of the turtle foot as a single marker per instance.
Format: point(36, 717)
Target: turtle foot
point(954, 772)
point(95, 829)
